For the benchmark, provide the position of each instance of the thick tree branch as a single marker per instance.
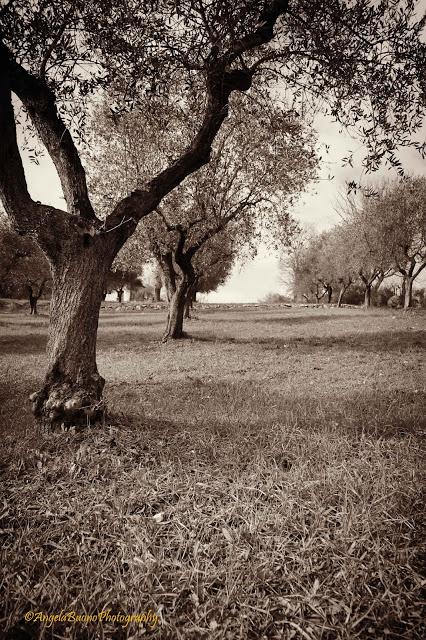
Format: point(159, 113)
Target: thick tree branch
point(40, 104)
point(13, 186)
point(221, 81)
point(264, 31)
point(422, 265)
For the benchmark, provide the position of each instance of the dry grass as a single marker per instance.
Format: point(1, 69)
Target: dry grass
point(262, 480)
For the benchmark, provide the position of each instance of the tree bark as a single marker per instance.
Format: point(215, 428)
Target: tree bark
point(367, 296)
point(72, 391)
point(157, 294)
point(340, 298)
point(175, 317)
point(408, 292)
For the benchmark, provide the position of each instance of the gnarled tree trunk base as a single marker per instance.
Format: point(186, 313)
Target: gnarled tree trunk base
point(62, 404)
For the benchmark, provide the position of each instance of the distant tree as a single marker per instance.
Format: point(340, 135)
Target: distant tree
point(10, 254)
point(397, 213)
point(118, 280)
point(363, 62)
point(312, 275)
point(212, 266)
point(24, 270)
point(366, 252)
point(128, 265)
point(261, 160)
point(339, 258)
point(337, 265)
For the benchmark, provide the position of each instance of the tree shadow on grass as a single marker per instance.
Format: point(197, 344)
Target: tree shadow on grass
point(23, 343)
point(285, 319)
point(391, 414)
point(135, 319)
point(369, 342)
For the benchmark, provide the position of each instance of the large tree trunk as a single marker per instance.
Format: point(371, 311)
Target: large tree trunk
point(174, 327)
point(408, 292)
point(72, 390)
point(329, 293)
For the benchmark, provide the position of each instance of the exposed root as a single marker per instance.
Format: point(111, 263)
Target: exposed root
point(63, 405)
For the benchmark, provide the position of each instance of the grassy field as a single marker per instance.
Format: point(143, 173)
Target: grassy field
point(262, 479)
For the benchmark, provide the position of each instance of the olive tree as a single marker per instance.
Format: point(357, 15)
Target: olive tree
point(398, 216)
point(261, 159)
point(24, 270)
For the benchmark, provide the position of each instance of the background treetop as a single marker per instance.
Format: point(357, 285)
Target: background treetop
point(262, 160)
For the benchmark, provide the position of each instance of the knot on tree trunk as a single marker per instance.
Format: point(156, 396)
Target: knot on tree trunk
point(237, 80)
point(62, 404)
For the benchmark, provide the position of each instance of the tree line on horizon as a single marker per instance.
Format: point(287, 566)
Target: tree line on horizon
point(382, 234)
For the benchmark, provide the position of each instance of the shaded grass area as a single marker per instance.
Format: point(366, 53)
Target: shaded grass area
point(262, 480)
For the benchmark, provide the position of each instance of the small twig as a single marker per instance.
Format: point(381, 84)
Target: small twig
point(120, 224)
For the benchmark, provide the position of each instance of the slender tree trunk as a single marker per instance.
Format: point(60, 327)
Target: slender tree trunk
point(120, 294)
point(72, 390)
point(329, 294)
point(341, 294)
point(408, 292)
point(157, 294)
point(194, 297)
point(403, 287)
point(375, 289)
point(33, 304)
point(188, 306)
point(367, 296)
